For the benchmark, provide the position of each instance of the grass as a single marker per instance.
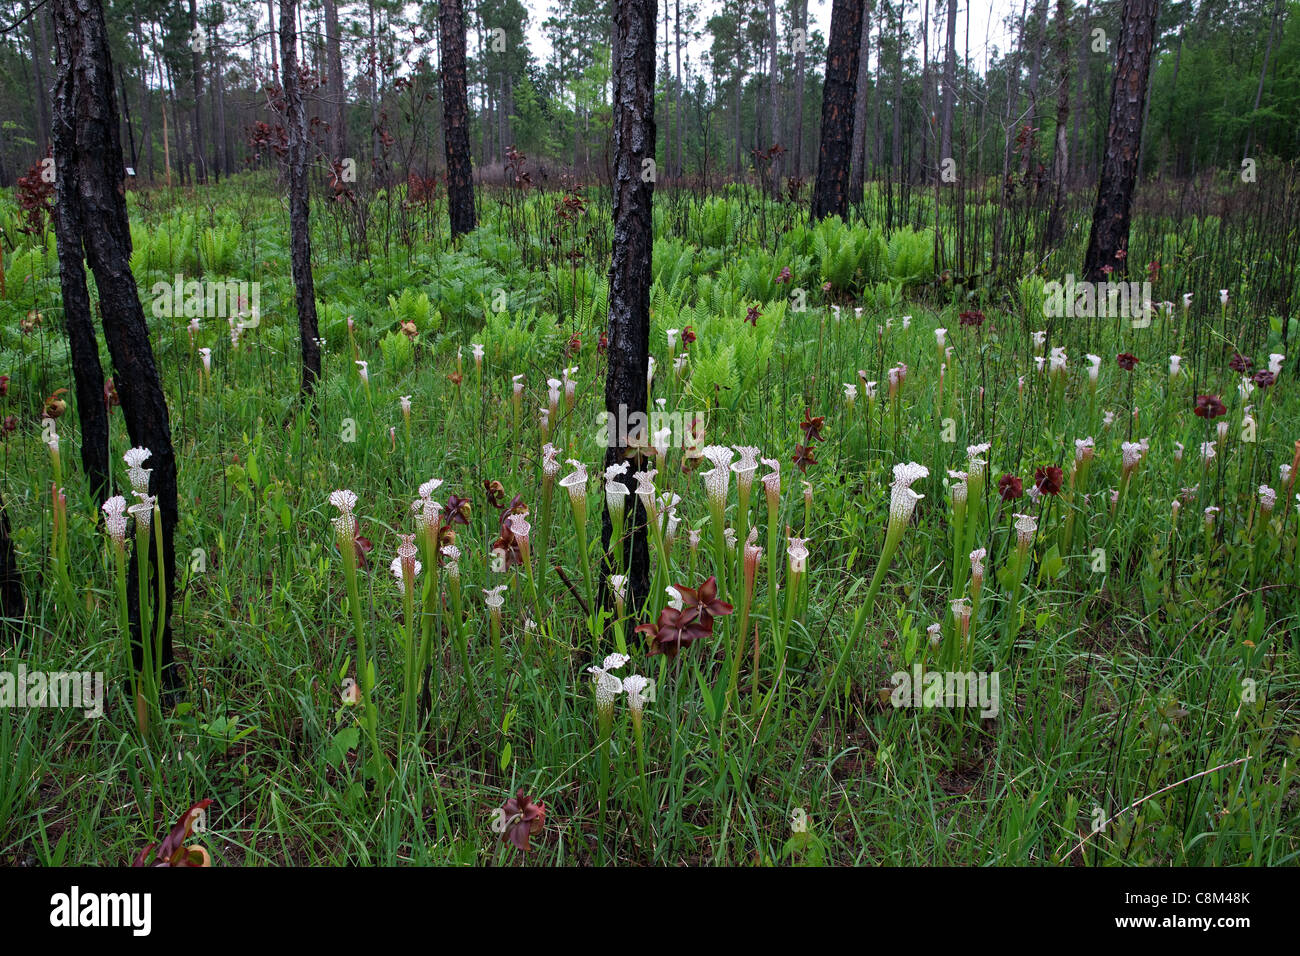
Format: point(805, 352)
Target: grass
point(1152, 702)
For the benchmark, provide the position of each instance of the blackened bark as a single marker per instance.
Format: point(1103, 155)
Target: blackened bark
point(455, 118)
point(87, 373)
point(629, 283)
point(830, 195)
point(87, 108)
point(299, 202)
point(13, 604)
point(1110, 219)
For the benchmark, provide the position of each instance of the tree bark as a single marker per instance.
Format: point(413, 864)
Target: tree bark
point(858, 174)
point(949, 85)
point(626, 390)
point(90, 153)
point(773, 97)
point(334, 68)
point(1110, 219)
point(830, 195)
point(299, 203)
point(13, 603)
point(455, 118)
point(1061, 158)
point(800, 72)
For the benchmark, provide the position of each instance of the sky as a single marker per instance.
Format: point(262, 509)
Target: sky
point(987, 31)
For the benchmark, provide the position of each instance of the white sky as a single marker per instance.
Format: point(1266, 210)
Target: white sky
point(987, 31)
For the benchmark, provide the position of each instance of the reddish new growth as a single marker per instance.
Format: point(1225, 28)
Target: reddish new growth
point(677, 629)
point(1209, 406)
point(1010, 488)
point(173, 851)
point(506, 540)
point(35, 195)
point(523, 820)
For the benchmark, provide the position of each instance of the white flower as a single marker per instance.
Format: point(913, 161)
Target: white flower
point(553, 386)
point(115, 518)
point(1094, 366)
point(1132, 452)
point(576, 481)
point(519, 526)
point(1084, 448)
point(635, 687)
point(797, 551)
point(1175, 365)
point(716, 478)
point(907, 321)
point(615, 490)
point(772, 480)
point(903, 499)
point(345, 525)
point(933, 630)
point(1267, 498)
point(959, 488)
point(976, 462)
point(406, 404)
point(1210, 512)
point(1040, 339)
point(747, 465)
point(618, 582)
point(1026, 528)
point(206, 355)
point(1245, 388)
point(939, 336)
point(493, 597)
point(142, 511)
point(550, 460)
point(645, 488)
point(850, 392)
point(363, 369)
point(1108, 419)
point(396, 568)
point(1187, 300)
point(1284, 474)
point(672, 338)
point(1275, 361)
point(1223, 296)
point(607, 685)
point(674, 598)
point(1207, 451)
point(451, 554)
point(977, 562)
point(136, 472)
point(477, 351)
point(1058, 358)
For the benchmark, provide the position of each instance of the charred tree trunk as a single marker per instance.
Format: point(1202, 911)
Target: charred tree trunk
point(626, 389)
point(1110, 218)
point(83, 348)
point(455, 117)
point(299, 203)
point(830, 195)
point(196, 67)
point(13, 604)
point(800, 69)
point(92, 154)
